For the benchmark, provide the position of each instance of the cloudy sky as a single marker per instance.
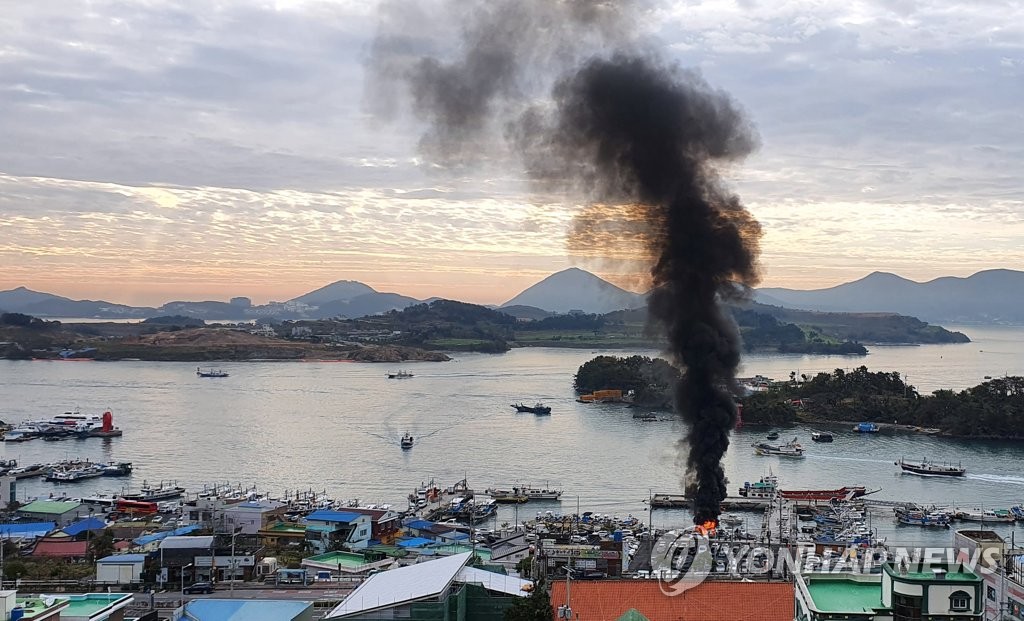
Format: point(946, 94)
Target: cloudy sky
point(198, 150)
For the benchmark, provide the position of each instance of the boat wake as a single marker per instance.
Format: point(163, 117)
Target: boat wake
point(834, 458)
point(995, 478)
point(392, 439)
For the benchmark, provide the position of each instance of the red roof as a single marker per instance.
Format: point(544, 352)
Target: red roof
point(607, 600)
point(124, 544)
point(61, 548)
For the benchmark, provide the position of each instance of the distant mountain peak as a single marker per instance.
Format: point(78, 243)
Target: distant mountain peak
point(338, 291)
point(576, 289)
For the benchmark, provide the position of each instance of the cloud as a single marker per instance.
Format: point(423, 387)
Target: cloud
point(209, 140)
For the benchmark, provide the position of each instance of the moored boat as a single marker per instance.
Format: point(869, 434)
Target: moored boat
point(149, 493)
point(984, 515)
point(211, 372)
point(866, 428)
point(924, 519)
point(821, 436)
point(927, 468)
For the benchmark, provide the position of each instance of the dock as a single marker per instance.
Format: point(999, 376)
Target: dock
point(731, 503)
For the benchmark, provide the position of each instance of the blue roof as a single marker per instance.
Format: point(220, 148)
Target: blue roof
point(420, 524)
point(147, 539)
point(27, 529)
point(123, 558)
point(414, 542)
point(326, 515)
point(81, 526)
point(253, 610)
point(456, 536)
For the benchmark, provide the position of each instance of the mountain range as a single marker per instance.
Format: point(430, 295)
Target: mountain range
point(993, 296)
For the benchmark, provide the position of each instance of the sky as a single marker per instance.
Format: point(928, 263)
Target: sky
point(156, 150)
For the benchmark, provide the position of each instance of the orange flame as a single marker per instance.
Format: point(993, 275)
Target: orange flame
point(708, 528)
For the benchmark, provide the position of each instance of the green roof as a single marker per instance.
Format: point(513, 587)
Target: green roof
point(632, 615)
point(52, 507)
point(830, 595)
point(284, 527)
point(458, 548)
point(955, 572)
point(345, 559)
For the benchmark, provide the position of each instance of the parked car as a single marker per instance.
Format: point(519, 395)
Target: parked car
point(199, 587)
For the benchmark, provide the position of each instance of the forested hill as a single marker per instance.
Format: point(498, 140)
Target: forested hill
point(994, 408)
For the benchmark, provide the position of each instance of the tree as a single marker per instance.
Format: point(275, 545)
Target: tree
point(534, 607)
point(101, 546)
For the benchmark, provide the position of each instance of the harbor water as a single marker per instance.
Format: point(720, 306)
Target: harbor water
point(288, 426)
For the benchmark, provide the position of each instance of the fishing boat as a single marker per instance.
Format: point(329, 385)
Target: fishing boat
point(866, 428)
point(538, 408)
point(523, 493)
point(645, 416)
point(20, 435)
point(149, 493)
point(984, 515)
point(789, 449)
point(774, 435)
point(211, 372)
point(924, 519)
point(821, 436)
point(927, 468)
point(407, 441)
point(765, 488)
point(399, 375)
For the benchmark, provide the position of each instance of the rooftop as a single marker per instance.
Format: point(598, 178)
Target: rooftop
point(345, 559)
point(34, 606)
point(123, 558)
point(954, 572)
point(325, 515)
point(286, 527)
point(79, 527)
point(709, 601)
point(402, 585)
point(91, 604)
point(21, 529)
point(186, 543)
point(253, 610)
point(66, 547)
point(52, 507)
point(830, 595)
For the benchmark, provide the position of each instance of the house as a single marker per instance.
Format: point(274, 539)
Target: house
point(178, 557)
point(61, 512)
point(22, 531)
point(346, 563)
point(508, 552)
point(907, 590)
point(120, 569)
point(612, 600)
point(8, 490)
point(249, 517)
point(331, 530)
point(233, 557)
point(251, 610)
point(33, 608)
point(444, 588)
point(60, 546)
point(1000, 567)
point(282, 534)
point(386, 525)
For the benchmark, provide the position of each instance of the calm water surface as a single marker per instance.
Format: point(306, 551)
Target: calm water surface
point(336, 426)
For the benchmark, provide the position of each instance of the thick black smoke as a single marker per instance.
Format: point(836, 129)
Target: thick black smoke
point(640, 140)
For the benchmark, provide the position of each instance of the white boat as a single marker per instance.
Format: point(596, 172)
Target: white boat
point(789, 449)
point(928, 468)
point(407, 441)
point(72, 420)
point(984, 515)
point(400, 375)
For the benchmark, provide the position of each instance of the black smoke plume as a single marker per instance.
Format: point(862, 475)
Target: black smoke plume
point(640, 139)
